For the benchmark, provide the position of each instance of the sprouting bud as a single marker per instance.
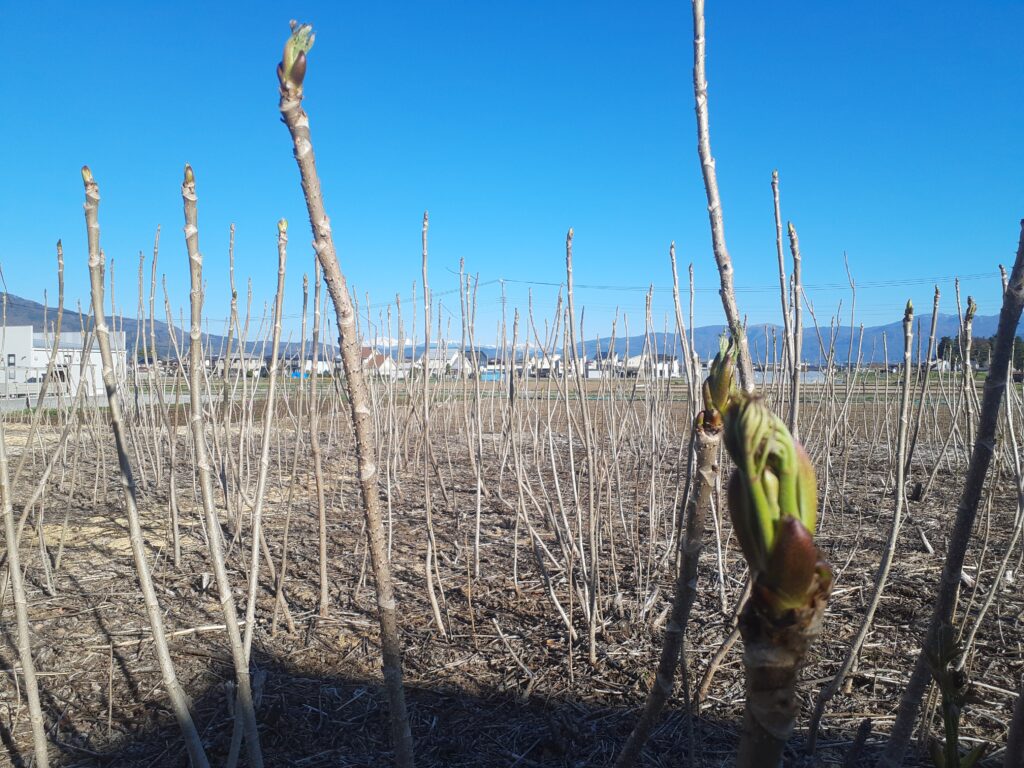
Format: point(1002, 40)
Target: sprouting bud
point(282, 225)
point(190, 176)
point(299, 69)
point(86, 174)
point(292, 68)
point(972, 307)
point(773, 502)
point(793, 565)
point(720, 384)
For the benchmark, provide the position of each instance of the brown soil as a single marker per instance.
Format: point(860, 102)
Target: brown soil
point(471, 703)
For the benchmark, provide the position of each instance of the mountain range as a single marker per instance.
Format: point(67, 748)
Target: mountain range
point(21, 311)
point(879, 341)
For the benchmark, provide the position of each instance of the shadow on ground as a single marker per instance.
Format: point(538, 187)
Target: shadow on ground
point(333, 721)
point(315, 721)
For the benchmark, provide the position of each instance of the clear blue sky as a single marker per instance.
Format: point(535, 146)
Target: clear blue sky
point(896, 128)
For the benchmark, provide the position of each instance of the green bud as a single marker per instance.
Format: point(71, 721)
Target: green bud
point(773, 502)
point(719, 386)
point(743, 521)
point(972, 307)
point(807, 489)
point(292, 68)
point(298, 73)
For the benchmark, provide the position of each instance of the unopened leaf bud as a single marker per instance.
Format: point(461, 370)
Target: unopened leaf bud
point(773, 503)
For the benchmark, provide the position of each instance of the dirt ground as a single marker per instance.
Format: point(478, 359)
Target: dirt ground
point(520, 697)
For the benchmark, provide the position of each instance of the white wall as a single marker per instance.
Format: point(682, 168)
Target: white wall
point(31, 355)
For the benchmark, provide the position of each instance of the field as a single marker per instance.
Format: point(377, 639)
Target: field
point(504, 684)
point(512, 543)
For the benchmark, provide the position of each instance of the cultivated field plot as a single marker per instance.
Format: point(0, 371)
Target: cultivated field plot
point(375, 533)
point(503, 683)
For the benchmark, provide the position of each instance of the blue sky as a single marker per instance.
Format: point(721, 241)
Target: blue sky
point(895, 128)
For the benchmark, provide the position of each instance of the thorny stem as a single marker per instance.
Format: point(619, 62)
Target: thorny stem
point(882, 574)
point(268, 423)
point(28, 668)
point(788, 339)
point(798, 343)
point(314, 445)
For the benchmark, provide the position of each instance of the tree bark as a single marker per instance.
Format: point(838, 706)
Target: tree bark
point(204, 466)
point(297, 121)
point(179, 702)
point(707, 440)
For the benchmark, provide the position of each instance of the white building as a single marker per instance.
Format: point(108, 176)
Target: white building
point(249, 365)
point(444, 362)
point(383, 366)
point(645, 365)
point(547, 366)
point(323, 367)
point(25, 355)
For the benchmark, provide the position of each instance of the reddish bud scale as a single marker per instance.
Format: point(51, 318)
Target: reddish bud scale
point(298, 73)
point(794, 567)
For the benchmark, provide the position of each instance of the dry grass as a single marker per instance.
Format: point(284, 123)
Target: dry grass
point(471, 702)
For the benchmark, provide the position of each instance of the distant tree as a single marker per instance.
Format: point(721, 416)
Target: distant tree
point(946, 348)
point(981, 352)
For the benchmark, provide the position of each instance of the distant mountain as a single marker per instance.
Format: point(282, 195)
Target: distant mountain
point(21, 311)
point(878, 340)
point(763, 339)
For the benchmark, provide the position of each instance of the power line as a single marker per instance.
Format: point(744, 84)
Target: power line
point(774, 287)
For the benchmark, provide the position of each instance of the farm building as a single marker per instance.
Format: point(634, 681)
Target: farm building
point(445, 362)
point(251, 365)
point(25, 355)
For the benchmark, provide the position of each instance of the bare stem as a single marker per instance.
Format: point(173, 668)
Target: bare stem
point(707, 439)
point(297, 121)
point(967, 509)
point(179, 702)
point(707, 165)
point(204, 466)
